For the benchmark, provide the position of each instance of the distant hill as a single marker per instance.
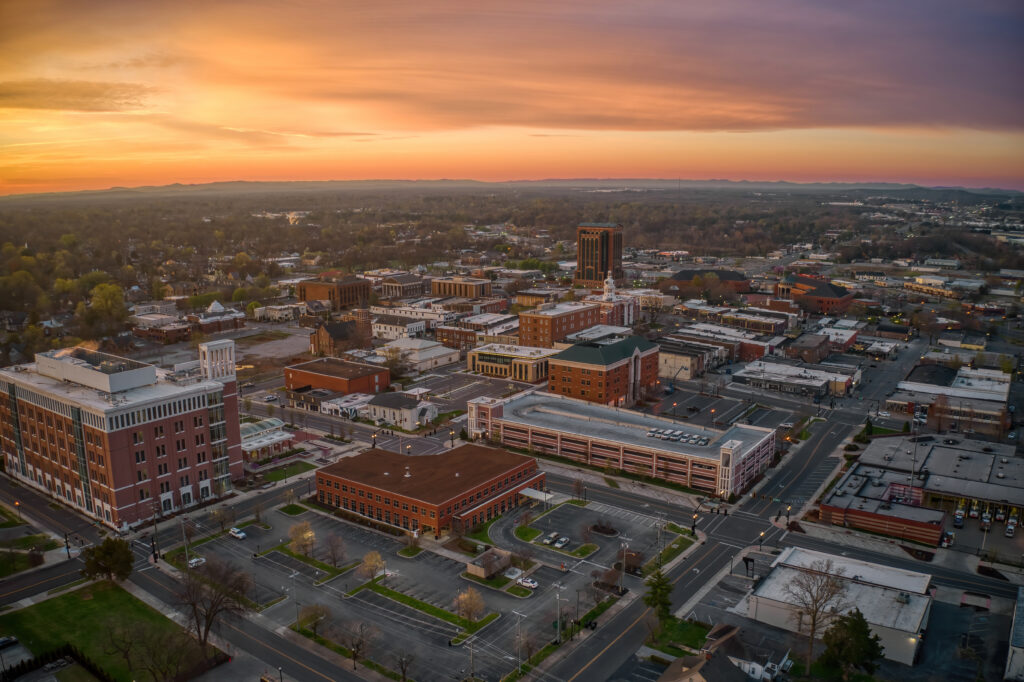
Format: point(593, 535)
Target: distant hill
point(241, 188)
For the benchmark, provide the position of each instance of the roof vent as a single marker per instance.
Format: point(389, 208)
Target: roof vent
point(1000, 475)
point(456, 474)
point(1003, 461)
point(386, 473)
point(407, 474)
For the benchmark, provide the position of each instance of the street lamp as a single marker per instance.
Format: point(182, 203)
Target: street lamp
point(693, 526)
point(408, 449)
point(17, 505)
point(374, 437)
point(451, 434)
point(760, 541)
point(674, 406)
point(280, 674)
point(712, 416)
point(789, 508)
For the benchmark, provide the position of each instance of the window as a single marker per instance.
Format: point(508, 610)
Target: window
point(180, 444)
point(378, 498)
point(405, 506)
point(161, 450)
point(179, 426)
point(197, 421)
point(161, 469)
point(136, 437)
point(182, 463)
point(142, 475)
point(165, 487)
point(143, 494)
point(204, 475)
point(361, 494)
point(200, 457)
point(184, 480)
point(158, 432)
point(140, 456)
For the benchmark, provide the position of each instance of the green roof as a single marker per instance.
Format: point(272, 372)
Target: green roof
point(605, 353)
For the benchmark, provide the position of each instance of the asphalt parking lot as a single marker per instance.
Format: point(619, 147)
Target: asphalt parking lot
point(720, 410)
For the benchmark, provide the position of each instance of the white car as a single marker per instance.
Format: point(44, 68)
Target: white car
point(237, 533)
point(196, 561)
point(269, 398)
point(883, 413)
point(561, 542)
point(528, 582)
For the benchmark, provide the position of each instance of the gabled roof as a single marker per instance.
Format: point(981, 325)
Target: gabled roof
point(605, 353)
point(340, 330)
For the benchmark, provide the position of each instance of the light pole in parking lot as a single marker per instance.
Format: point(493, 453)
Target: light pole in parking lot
point(760, 541)
point(693, 526)
point(451, 434)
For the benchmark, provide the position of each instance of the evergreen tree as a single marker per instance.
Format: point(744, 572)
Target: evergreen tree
point(659, 595)
point(850, 644)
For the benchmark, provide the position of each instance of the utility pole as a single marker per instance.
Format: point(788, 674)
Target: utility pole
point(625, 549)
point(519, 642)
point(184, 538)
point(558, 613)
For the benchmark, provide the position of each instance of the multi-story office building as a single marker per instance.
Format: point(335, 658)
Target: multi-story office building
point(522, 363)
point(465, 287)
point(598, 254)
point(450, 492)
point(119, 440)
point(344, 292)
point(551, 323)
point(613, 372)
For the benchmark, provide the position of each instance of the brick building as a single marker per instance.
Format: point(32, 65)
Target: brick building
point(598, 254)
point(342, 292)
point(809, 348)
point(464, 287)
point(334, 338)
point(456, 337)
point(342, 376)
point(551, 323)
point(695, 281)
point(450, 492)
point(616, 373)
point(814, 294)
point(120, 441)
point(402, 286)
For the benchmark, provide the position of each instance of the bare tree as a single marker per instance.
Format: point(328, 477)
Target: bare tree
point(120, 640)
point(357, 637)
point(335, 549)
point(289, 496)
point(469, 604)
point(577, 488)
point(215, 591)
point(817, 593)
point(586, 533)
point(371, 566)
point(525, 519)
point(163, 656)
point(256, 510)
point(313, 616)
point(223, 517)
point(404, 661)
point(302, 538)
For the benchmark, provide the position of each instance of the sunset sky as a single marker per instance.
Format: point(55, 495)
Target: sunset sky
point(111, 93)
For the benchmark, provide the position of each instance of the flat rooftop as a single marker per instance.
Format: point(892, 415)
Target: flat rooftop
point(874, 589)
point(516, 351)
point(560, 309)
point(434, 479)
point(579, 417)
point(343, 369)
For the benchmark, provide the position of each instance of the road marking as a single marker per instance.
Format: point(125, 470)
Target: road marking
point(62, 575)
point(631, 625)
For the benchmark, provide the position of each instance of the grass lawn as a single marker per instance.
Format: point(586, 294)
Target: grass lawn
point(480, 532)
point(409, 552)
point(288, 471)
point(612, 483)
point(430, 609)
point(527, 534)
point(683, 632)
point(584, 550)
point(12, 562)
point(579, 503)
point(497, 582)
point(519, 591)
point(74, 673)
point(331, 571)
point(674, 549)
point(293, 509)
point(347, 653)
point(8, 519)
point(678, 530)
point(44, 542)
point(79, 618)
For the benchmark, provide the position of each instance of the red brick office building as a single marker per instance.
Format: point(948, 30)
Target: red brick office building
point(615, 374)
point(342, 292)
point(450, 492)
point(542, 327)
point(333, 374)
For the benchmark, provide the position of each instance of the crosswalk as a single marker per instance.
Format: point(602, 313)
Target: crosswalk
point(635, 517)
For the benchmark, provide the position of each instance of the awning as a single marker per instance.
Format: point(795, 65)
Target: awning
point(536, 495)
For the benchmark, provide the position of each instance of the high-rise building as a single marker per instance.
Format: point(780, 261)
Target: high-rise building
point(598, 254)
point(118, 440)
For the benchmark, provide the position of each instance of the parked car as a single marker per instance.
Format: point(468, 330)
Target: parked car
point(269, 398)
point(528, 582)
point(958, 520)
point(551, 537)
point(1013, 519)
point(1012, 435)
point(947, 539)
point(237, 533)
point(9, 640)
point(1000, 515)
point(196, 561)
point(973, 513)
point(883, 413)
point(1010, 530)
point(561, 542)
